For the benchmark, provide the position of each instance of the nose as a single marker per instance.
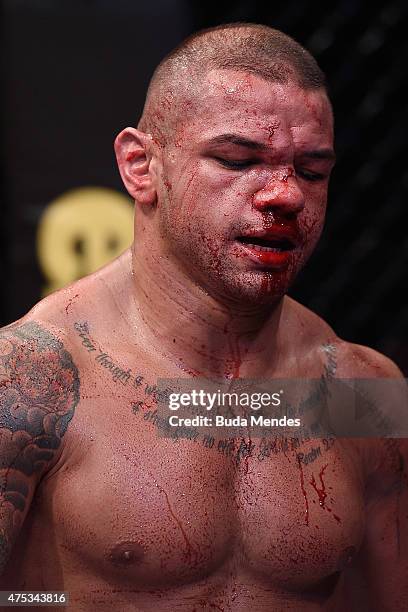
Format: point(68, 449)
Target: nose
point(281, 193)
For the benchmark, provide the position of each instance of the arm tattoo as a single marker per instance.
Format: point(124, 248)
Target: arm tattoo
point(39, 390)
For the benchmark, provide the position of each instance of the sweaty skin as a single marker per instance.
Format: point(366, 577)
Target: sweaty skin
point(94, 500)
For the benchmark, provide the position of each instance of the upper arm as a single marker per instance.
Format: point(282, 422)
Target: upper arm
point(381, 571)
point(39, 390)
point(382, 565)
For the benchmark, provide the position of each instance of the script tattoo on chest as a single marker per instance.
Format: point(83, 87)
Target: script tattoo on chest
point(241, 449)
point(236, 449)
point(39, 390)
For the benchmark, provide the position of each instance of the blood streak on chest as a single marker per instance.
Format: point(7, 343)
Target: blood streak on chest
point(302, 486)
point(321, 491)
point(189, 552)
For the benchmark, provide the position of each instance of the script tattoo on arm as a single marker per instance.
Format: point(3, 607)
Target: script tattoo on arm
point(39, 390)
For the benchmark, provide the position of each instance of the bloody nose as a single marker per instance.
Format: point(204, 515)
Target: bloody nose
point(281, 193)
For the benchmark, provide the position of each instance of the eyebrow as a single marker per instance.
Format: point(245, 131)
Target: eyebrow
point(326, 153)
point(254, 145)
point(238, 140)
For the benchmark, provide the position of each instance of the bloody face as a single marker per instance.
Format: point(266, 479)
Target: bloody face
point(243, 185)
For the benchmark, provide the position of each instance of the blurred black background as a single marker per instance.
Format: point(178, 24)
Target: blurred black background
point(75, 73)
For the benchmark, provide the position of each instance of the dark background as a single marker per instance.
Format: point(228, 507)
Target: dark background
point(75, 73)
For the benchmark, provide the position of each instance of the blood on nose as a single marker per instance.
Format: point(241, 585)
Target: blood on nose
point(281, 193)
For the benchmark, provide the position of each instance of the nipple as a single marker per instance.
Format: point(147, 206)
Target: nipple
point(126, 553)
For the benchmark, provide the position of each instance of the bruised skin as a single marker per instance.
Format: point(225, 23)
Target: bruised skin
point(205, 205)
point(186, 253)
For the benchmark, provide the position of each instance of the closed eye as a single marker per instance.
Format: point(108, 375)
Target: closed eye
point(235, 164)
point(311, 176)
point(240, 164)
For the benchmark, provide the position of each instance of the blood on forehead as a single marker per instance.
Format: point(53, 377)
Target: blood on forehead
point(229, 97)
point(227, 100)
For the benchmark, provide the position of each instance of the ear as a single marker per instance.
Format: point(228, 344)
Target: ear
point(133, 154)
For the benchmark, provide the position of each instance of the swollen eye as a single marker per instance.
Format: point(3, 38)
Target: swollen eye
point(310, 176)
point(234, 164)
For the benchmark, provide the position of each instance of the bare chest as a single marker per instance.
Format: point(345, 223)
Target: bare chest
point(144, 509)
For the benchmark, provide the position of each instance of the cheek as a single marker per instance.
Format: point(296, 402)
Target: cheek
point(312, 217)
point(198, 194)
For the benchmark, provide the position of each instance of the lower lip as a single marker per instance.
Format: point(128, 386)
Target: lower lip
point(278, 260)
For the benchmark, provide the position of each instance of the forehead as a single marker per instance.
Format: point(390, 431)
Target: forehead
point(242, 102)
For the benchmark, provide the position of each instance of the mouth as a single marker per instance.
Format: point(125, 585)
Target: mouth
point(271, 249)
point(272, 245)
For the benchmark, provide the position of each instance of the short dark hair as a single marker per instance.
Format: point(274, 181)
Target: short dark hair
point(250, 47)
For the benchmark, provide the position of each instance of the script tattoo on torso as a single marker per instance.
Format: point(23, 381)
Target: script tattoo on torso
point(237, 449)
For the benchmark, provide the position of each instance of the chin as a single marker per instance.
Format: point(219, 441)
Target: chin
point(257, 288)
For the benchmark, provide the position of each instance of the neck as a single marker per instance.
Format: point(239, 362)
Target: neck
point(177, 319)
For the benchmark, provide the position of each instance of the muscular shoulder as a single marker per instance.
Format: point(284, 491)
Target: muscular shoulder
point(383, 403)
point(357, 361)
point(92, 298)
point(39, 390)
point(352, 360)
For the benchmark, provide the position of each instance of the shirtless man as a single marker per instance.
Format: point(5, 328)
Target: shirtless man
point(229, 170)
